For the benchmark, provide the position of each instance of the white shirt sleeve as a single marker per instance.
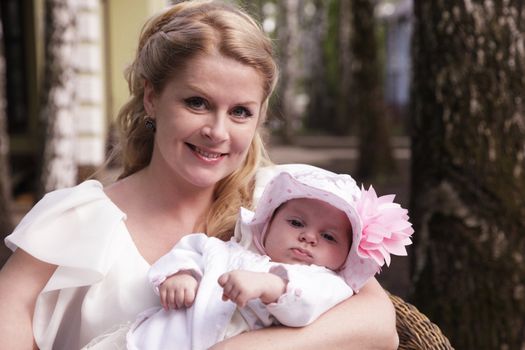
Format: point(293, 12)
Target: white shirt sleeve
point(311, 291)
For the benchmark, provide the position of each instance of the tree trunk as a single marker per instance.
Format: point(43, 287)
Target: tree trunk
point(58, 168)
point(317, 86)
point(468, 171)
point(328, 62)
point(375, 156)
point(6, 224)
point(288, 36)
point(344, 115)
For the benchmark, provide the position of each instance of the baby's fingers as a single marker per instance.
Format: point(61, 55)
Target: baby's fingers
point(227, 289)
point(170, 298)
point(236, 296)
point(189, 297)
point(179, 297)
point(223, 279)
point(163, 298)
point(239, 299)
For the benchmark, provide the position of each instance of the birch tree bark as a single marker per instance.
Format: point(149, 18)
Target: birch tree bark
point(468, 172)
point(58, 168)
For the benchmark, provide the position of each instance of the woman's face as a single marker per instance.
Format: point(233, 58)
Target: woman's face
point(206, 117)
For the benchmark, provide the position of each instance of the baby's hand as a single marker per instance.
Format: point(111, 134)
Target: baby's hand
point(178, 291)
point(241, 286)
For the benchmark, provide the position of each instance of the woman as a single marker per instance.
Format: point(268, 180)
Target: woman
point(200, 85)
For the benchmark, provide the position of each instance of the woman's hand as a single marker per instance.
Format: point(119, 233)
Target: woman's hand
point(178, 291)
point(21, 280)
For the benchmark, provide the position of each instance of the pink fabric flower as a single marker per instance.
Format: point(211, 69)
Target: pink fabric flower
point(386, 229)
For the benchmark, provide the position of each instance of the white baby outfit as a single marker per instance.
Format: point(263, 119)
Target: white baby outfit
point(311, 290)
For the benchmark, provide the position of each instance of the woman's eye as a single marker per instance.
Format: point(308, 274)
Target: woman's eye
point(328, 237)
point(241, 112)
point(197, 103)
point(295, 223)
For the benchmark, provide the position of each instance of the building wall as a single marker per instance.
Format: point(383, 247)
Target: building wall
point(122, 35)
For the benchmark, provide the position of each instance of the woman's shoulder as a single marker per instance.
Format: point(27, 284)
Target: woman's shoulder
point(89, 191)
point(69, 221)
point(66, 203)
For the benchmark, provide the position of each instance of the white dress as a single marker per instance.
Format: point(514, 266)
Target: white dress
point(101, 280)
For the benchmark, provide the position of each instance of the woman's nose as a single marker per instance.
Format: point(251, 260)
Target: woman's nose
point(215, 129)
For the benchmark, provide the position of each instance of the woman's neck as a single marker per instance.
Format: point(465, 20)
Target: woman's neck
point(159, 212)
point(170, 196)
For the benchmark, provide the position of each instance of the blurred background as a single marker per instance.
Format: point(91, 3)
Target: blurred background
point(423, 100)
point(66, 63)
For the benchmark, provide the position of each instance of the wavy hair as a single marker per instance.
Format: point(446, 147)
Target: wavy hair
point(168, 42)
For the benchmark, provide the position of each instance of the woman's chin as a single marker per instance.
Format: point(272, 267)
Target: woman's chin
point(205, 178)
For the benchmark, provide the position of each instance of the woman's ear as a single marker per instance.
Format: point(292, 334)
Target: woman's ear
point(149, 99)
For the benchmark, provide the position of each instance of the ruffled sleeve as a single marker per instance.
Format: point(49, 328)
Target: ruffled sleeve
point(71, 228)
point(79, 230)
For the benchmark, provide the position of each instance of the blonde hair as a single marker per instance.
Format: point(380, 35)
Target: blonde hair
point(168, 42)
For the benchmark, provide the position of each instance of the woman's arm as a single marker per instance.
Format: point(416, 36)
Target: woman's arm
point(364, 321)
point(21, 280)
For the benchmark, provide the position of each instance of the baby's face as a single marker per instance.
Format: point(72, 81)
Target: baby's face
point(309, 231)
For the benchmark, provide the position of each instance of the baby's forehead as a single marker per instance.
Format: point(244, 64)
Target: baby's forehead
point(313, 207)
point(317, 210)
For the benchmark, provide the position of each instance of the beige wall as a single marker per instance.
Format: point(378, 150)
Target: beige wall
point(125, 19)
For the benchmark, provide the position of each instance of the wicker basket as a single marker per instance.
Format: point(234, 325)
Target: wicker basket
point(415, 330)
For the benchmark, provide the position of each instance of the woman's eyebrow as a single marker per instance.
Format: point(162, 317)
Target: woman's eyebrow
point(202, 91)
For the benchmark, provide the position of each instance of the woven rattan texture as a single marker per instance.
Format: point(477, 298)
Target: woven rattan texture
point(415, 330)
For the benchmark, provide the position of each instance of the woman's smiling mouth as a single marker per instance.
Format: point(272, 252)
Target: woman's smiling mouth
point(206, 155)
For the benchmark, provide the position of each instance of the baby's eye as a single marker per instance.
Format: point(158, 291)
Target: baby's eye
point(196, 103)
point(328, 237)
point(295, 223)
point(241, 112)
